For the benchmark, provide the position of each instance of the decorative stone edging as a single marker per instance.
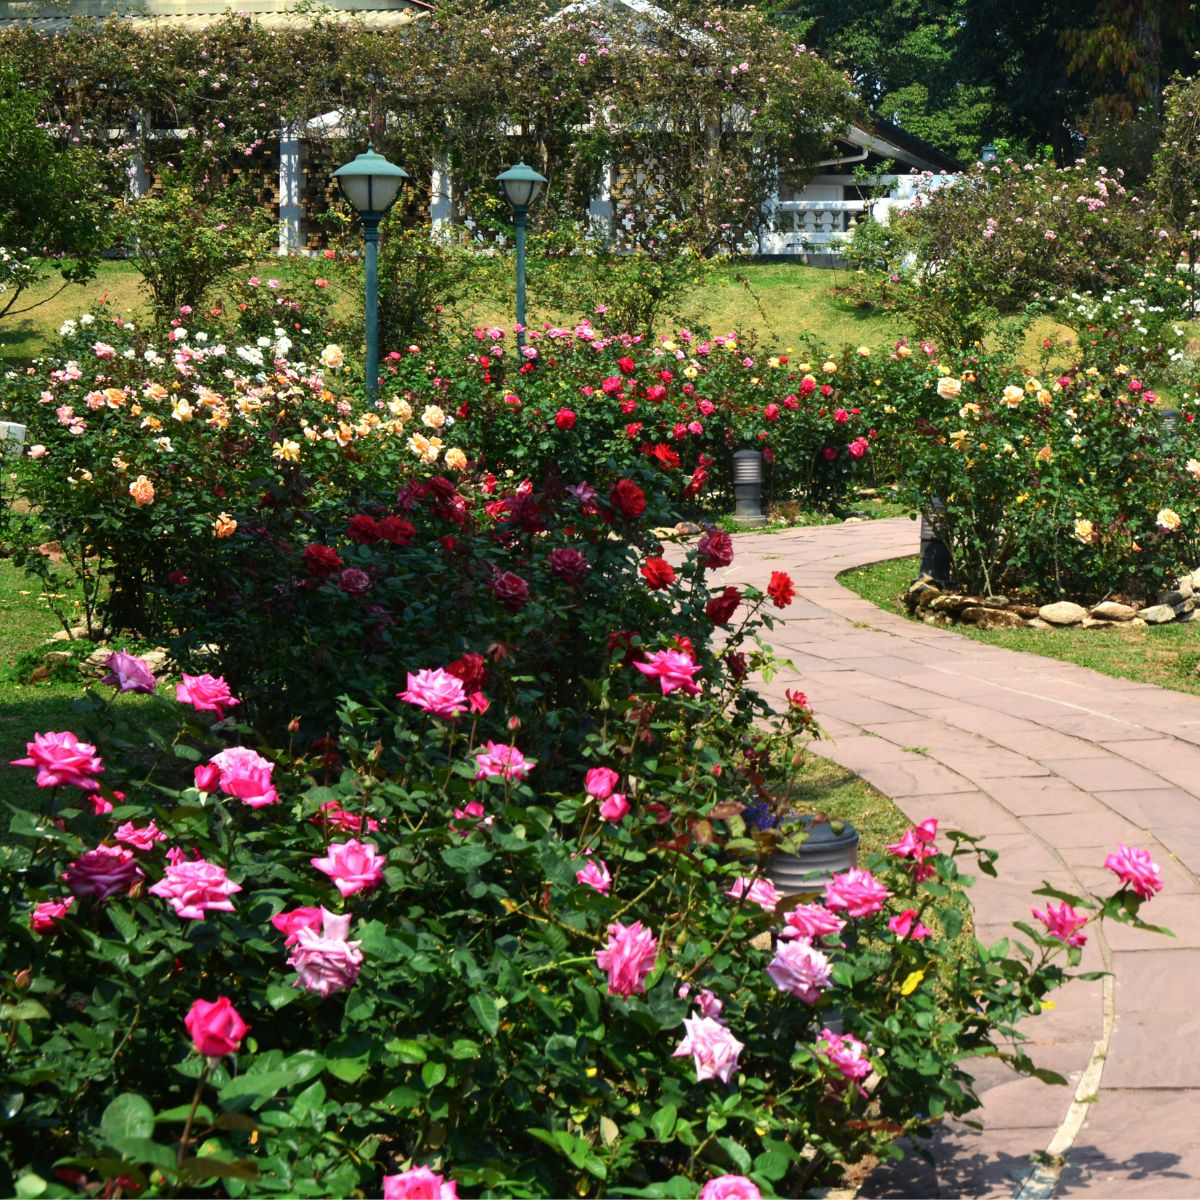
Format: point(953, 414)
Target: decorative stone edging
point(936, 606)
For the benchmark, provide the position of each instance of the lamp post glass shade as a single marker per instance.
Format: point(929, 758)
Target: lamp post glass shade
point(370, 183)
point(989, 154)
point(521, 185)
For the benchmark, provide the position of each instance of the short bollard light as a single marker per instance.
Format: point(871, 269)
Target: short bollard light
point(521, 186)
point(371, 184)
point(747, 487)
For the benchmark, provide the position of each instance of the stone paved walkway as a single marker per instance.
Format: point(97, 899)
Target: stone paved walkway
point(1054, 764)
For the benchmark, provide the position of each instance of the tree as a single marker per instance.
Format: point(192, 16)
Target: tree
point(54, 215)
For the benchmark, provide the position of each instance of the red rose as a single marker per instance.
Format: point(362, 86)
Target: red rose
point(698, 480)
point(781, 589)
point(397, 530)
point(720, 608)
point(215, 1027)
point(471, 669)
point(715, 549)
point(627, 498)
point(658, 573)
point(321, 561)
point(511, 590)
point(568, 564)
point(771, 412)
point(627, 365)
point(565, 419)
point(611, 385)
point(667, 457)
point(363, 529)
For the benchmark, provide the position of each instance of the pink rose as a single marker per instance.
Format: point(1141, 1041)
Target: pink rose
point(215, 1027)
point(246, 775)
point(595, 875)
point(353, 866)
point(846, 1053)
point(62, 760)
point(207, 777)
point(811, 921)
point(290, 923)
point(206, 694)
point(906, 925)
point(499, 761)
point(46, 916)
point(673, 669)
point(436, 691)
point(326, 962)
point(1137, 869)
point(628, 958)
point(759, 891)
point(419, 1183)
point(600, 782)
point(615, 808)
point(140, 839)
point(801, 969)
point(730, 1187)
point(334, 815)
point(103, 872)
point(1062, 923)
point(194, 887)
point(713, 1048)
point(858, 892)
point(129, 673)
point(858, 447)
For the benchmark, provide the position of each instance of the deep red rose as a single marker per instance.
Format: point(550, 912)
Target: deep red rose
point(354, 582)
point(364, 529)
point(715, 549)
point(720, 608)
point(781, 589)
point(735, 660)
point(565, 419)
point(667, 457)
point(658, 573)
point(511, 590)
point(397, 530)
point(471, 668)
point(696, 483)
point(442, 487)
point(320, 560)
point(627, 498)
point(568, 564)
point(627, 365)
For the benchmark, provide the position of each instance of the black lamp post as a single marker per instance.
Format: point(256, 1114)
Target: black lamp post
point(521, 186)
point(371, 184)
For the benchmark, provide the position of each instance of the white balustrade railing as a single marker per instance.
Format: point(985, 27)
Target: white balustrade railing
point(811, 225)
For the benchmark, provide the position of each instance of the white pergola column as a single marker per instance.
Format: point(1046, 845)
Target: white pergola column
point(135, 170)
point(441, 203)
point(600, 206)
point(290, 210)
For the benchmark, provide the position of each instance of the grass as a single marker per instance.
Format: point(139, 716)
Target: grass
point(1166, 655)
point(823, 786)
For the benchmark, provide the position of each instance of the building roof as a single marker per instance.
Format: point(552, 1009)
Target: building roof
point(913, 150)
point(54, 16)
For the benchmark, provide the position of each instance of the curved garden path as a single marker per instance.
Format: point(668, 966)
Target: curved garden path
point(1054, 764)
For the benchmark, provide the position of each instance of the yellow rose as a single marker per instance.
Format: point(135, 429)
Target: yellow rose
point(181, 410)
point(903, 352)
point(286, 451)
point(1193, 468)
point(1013, 395)
point(456, 460)
point(223, 526)
point(1044, 398)
point(332, 357)
point(948, 388)
point(142, 491)
point(426, 449)
point(829, 366)
point(433, 417)
point(1084, 531)
point(1168, 519)
point(863, 352)
point(960, 439)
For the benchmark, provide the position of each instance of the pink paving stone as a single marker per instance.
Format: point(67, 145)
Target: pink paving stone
point(1100, 828)
point(1046, 795)
point(1104, 771)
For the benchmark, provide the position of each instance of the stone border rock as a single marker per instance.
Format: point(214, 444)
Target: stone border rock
point(936, 606)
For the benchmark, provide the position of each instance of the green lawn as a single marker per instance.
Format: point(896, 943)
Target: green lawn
point(1166, 655)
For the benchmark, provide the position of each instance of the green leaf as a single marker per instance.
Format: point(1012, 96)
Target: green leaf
point(128, 1116)
point(348, 1070)
point(197, 1169)
point(486, 1012)
point(31, 1185)
point(23, 1010)
point(466, 858)
point(738, 1154)
point(407, 1050)
point(432, 1073)
point(663, 1122)
point(772, 1165)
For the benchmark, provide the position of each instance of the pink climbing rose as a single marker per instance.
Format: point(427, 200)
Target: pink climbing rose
point(801, 969)
point(142, 838)
point(497, 760)
point(628, 958)
point(673, 669)
point(436, 691)
point(596, 876)
point(846, 1053)
point(759, 891)
point(46, 916)
point(615, 808)
point(129, 673)
point(1137, 869)
point(906, 925)
point(601, 781)
point(811, 921)
point(730, 1187)
point(713, 1048)
point(196, 887)
point(206, 693)
point(290, 923)
point(215, 1027)
point(103, 872)
point(325, 961)
point(1063, 923)
point(856, 891)
point(419, 1183)
point(353, 866)
point(246, 775)
point(62, 760)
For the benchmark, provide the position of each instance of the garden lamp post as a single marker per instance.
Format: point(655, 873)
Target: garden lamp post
point(371, 184)
point(521, 186)
point(989, 153)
